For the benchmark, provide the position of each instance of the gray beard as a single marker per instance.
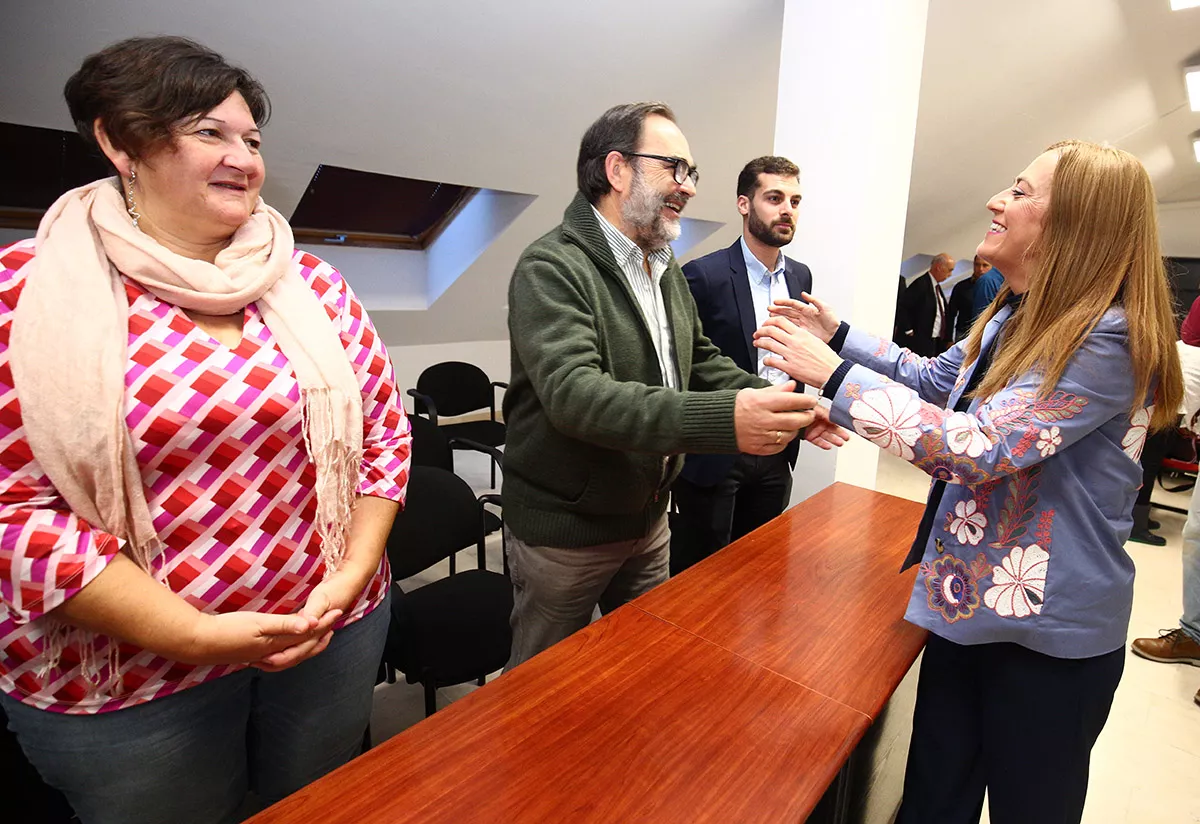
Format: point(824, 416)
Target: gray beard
point(642, 212)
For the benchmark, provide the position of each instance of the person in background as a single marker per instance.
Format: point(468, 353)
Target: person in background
point(203, 451)
point(960, 311)
point(986, 289)
point(1181, 645)
point(1157, 447)
point(1031, 429)
point(612, 381)
point(926, 327)
point(720, 498)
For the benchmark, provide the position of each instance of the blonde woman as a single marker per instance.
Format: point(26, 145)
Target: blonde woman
point(1032, 428)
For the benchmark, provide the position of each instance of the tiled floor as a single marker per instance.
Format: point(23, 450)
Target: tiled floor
point(1146, 765)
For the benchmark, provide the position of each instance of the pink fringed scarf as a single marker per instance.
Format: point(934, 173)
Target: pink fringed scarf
point(68, 351)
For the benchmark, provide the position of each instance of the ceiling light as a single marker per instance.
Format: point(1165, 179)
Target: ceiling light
point(1176, 5)
point(1191, 76)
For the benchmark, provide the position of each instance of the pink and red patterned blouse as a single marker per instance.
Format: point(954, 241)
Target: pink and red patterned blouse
point(229, 484)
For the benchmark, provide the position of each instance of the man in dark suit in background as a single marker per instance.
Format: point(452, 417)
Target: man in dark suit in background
point(719, 498)
point(926, 329)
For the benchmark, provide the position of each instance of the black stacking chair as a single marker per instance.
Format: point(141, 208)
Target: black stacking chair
point(455, 629)
point(431, 447)
point(455, 388)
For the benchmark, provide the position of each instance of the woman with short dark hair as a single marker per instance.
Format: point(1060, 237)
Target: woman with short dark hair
point(202, 452)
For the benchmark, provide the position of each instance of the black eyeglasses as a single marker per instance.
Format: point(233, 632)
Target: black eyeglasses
point(683, 169)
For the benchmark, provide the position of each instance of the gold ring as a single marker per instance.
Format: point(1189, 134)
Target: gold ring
point(778, 436)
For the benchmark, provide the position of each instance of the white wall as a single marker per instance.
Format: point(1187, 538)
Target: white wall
point(383, 279)
point(1179, 227)
point(847, 111)
point(409, 361)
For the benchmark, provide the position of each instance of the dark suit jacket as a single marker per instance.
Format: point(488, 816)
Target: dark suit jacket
point(959, 315)
point(721, 287)
point(919, 310)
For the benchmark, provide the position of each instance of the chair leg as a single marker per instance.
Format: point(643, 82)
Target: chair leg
point(493, 473)
point(430, 698)
point(391, 674)
point(482, 680)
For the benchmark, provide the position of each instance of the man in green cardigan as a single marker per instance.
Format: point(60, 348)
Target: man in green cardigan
point(612, 382)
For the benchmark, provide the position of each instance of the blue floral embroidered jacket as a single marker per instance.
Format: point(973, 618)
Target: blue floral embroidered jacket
point(1027, 542)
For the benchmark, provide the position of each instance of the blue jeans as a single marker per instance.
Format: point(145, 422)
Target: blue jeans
point(1191, 569)
point(191, 756)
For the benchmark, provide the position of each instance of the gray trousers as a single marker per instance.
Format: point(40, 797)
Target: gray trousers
point(555, 589)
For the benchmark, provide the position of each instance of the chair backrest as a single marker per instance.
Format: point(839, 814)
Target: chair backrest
point(456, 388)
point(441, 516)
point(429, 444)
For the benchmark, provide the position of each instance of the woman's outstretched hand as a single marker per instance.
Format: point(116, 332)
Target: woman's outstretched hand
point(816, 316)
point(797, 351)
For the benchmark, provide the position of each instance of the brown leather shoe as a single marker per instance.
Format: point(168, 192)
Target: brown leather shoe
point(1172, 646)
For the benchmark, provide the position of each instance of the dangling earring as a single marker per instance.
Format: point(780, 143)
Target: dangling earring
point(130, 206)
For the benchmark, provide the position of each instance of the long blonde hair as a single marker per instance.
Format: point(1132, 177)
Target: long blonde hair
point(1099, 247)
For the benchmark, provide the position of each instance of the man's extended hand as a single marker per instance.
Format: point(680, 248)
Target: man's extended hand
point(767, 419)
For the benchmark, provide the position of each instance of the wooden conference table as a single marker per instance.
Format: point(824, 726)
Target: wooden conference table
point(734, 692)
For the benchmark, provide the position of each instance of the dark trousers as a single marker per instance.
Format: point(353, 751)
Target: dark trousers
point(1004, 718)
point(1156, 448)
point(708, 518)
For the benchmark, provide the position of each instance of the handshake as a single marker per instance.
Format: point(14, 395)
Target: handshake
point(766, 420)
point(795, 338)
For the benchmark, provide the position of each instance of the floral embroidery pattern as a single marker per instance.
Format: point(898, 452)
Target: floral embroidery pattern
point(1048, 441)
point(882, 347)
point(983, 491)
point(1005, 467)
point(853, 391)
point(967, 522)
point(932, 415)
point(964, 435)
point(1026, 443)
point(889, 417)
point(1045, 527)
point(949, 468)
point(1013, 520)
point(953, 585)
point(1135, 438)
point(1026, 407)
point(1019, 583)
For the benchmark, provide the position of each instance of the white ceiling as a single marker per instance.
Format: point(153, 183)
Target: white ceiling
point(1001, 81)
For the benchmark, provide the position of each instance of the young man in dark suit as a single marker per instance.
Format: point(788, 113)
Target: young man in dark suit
point(719, 498)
